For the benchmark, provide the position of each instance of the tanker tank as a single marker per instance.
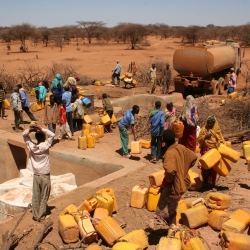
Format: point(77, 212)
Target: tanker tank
point(203, 61)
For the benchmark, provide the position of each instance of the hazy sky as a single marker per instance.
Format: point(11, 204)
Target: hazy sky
point(54, 13)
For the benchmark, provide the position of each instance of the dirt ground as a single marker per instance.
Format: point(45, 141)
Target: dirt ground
point(97, 61)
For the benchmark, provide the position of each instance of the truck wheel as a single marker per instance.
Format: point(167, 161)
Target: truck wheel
point(216, 87)
point(221, 85)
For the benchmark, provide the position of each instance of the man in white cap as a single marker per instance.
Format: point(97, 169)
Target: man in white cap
point(231, 82)
point(116, 73)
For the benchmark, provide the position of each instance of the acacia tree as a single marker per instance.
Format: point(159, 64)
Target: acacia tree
point(90, 28)
point(191, 33)
point(6, 35)
point(244, 34)
point(23, 32)
point(164, 30)
point(46, 33)
point(134, 33)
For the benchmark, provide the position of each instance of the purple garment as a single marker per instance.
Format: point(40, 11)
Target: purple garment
point(192, 114)
point(58, 93)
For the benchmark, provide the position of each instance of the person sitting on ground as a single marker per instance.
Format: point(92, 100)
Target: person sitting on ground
point(2, 97)
point(55, 82)
point(108, 107)
point(170, 116)
point(156, 128)
point(189, 117)
point(25, 102)
point(177, 161)
point(77, 113)
point(41, 92)
point(127, 121)
point(39, 165)
point(64, 126)
point(16, 106)
point(51, 114)
point(58, 92)
point(210, 137)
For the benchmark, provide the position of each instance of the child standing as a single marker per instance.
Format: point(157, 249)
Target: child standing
point(170, 116)
point(64, 126)
point(51, 114)
point(77, 113)
point(107, 106)
point(2, 97)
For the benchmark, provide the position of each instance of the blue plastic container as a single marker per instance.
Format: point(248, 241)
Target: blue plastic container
point(86, 102)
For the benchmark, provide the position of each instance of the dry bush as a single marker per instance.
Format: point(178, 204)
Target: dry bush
point(143, 77)
point(233, 117)
point(245, 72)
point(30, 74)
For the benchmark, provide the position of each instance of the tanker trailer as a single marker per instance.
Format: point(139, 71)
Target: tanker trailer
point(205, 69)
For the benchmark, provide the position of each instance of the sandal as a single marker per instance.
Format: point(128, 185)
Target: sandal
point(153, 160)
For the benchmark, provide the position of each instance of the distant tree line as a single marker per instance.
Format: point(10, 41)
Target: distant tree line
point(127, 33)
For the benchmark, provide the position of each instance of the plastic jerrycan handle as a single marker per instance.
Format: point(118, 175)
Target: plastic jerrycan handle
point(198, 201)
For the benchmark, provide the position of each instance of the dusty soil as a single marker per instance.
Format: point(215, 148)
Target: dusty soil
point(97, 61)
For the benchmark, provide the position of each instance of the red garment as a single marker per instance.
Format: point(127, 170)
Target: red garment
point(208, 175)
point(165, 184)
point(189, 137)
point(62, 114)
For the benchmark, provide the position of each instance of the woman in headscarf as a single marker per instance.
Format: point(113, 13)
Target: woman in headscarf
point(77, 113)
point(189, 118)
point(71, 83)
point(210, 137)
point(41, 92)
point(55, 82)
point(170, 116)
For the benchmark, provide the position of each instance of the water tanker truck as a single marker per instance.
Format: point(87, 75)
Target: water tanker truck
point(205, 68)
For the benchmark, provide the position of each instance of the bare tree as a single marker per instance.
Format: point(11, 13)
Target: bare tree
point(67, 33)
point(164, 30)
point(244, 34)
point(90, 28)
point(107, 34)
point(46, 33)
point(6, 35)
point(22, 33)
point(191, 33)
point(212, 31)
point(134, 33)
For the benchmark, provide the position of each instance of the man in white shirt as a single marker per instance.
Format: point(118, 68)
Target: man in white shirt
point(152, 72)
point(39, 164)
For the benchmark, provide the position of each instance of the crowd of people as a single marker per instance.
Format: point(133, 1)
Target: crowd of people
point(66, 109)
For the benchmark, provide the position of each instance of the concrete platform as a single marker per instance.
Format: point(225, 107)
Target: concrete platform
point(86, 165)
point(146, 99)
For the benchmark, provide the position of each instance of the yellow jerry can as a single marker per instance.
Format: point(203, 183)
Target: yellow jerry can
point(228, 153)
point(82, 142)
point(153, 198)
point(138, 196)
point(169, 243)
point(210, 158)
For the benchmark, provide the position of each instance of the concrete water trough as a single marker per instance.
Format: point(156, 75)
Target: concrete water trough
point(91, 169)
